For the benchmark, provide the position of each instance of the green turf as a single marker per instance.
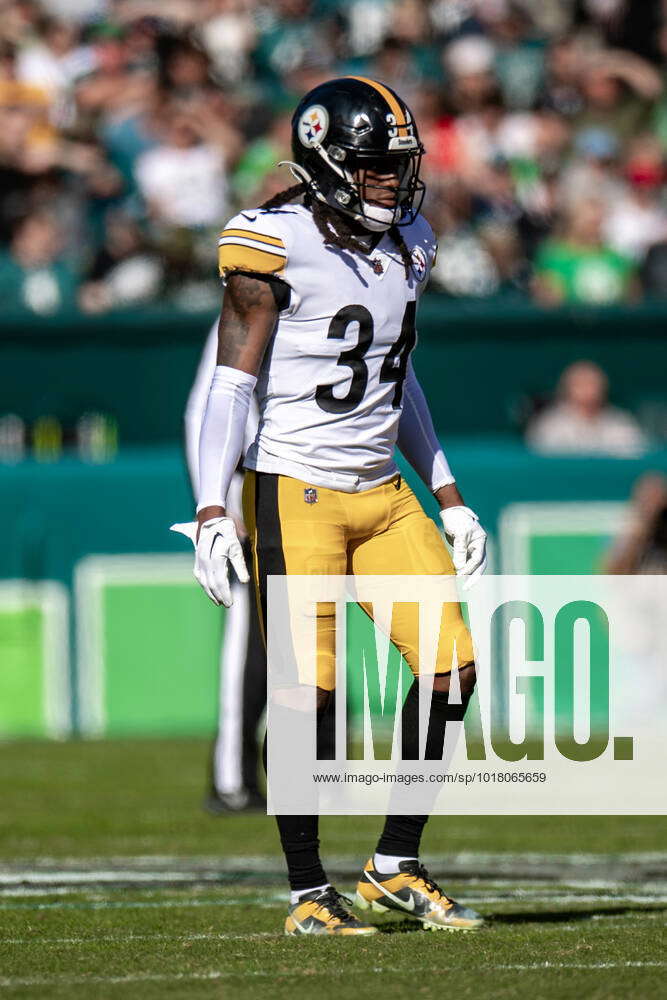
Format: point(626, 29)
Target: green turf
point(143, 797)
point(169, 950)
point(545, 939)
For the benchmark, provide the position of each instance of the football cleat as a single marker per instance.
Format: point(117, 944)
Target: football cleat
point(410, 890)
point(324, 911)
point(225, 803)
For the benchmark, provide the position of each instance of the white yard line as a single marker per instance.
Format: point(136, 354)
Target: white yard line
point(594, 872)
point(126, 938)
point(264, 862)
point(257, 935)
point(550, 897)
point(142, 977)
point(111, 876)
point(266, 902)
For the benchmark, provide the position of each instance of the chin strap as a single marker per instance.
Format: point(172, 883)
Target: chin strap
point(301, 175)
point(376, 225)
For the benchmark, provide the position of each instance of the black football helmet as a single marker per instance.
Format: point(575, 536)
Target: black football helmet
point(347, 127)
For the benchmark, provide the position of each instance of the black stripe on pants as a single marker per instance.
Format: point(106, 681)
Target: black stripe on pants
point(298, 834)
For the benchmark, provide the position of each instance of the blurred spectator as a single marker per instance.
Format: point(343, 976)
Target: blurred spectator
point(638, 219)
point(125, 272)
point(229, 37)
point(582, 420)
point(622, 23)
point(180, 110)
point(642, 547)
point(593, 170)
point(468, 62)
point(580, 267)
point(183, 179)
point(291, 35)
point(33, 274)
point(561, 91)
point(50, 60)
point(26, 137)
point(618, 90)
point(260, 158)
point(464, 266)
point(519, 57)
point(654, 272)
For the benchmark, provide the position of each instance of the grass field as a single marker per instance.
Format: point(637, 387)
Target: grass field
point(114, 883)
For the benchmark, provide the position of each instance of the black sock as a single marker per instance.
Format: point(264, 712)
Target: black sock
point(300, 842)
point(410, 724)
point(441, 713)
point(402, 834)
point(326, 730)
point(299, 834)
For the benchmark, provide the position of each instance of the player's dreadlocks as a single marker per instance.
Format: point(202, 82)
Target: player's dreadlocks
point(284, 197)
point(399, 243)
point(333, 226)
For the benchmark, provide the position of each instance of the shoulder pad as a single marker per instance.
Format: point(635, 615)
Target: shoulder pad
point(251, 242)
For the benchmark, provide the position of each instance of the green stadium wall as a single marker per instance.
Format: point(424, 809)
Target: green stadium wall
point(102, 629)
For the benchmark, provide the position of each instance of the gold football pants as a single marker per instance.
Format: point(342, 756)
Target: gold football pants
point(298, 529)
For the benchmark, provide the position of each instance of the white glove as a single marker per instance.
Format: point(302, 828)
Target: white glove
point(218, 545)
point(468, 540)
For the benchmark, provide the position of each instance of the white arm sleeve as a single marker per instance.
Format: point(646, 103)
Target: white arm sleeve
point(194, 417)
point(416, 436)
point(222, 433)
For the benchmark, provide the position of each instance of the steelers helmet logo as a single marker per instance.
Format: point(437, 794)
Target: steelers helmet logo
point(313, 125)
point(419, 263)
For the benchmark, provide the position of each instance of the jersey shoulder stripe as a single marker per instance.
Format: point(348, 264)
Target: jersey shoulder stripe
point(237, 257)
point(247, 244)
point(230, 234)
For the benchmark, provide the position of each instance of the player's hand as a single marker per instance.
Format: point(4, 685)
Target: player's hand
point(468, 540)
point(217, 546)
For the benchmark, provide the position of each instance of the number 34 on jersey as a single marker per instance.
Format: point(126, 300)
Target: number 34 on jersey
point(331, 384)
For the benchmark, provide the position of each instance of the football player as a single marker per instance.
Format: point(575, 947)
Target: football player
point(234, 771)
point(318, 318)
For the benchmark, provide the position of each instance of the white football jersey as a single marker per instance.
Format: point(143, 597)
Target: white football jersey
point(330, 386)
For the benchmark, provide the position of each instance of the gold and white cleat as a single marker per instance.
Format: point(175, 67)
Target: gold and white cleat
point(413, 892)
point(325, 911)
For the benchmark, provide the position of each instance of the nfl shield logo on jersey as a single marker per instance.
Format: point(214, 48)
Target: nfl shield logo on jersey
point(419, 263)
point(310, 495)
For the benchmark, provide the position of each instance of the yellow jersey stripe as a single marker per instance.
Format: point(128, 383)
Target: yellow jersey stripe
point(394, 106)
point(235, 257)
point(252, 235)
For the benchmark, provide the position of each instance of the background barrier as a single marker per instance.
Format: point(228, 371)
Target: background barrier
point(102, 628)
point(138, 366)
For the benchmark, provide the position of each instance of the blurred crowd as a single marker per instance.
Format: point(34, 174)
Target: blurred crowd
point(130, 130)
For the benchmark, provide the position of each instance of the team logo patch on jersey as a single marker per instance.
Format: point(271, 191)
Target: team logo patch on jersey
point(378, 266)
point(313, 125)
point(310, 495)
point(419, 263)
